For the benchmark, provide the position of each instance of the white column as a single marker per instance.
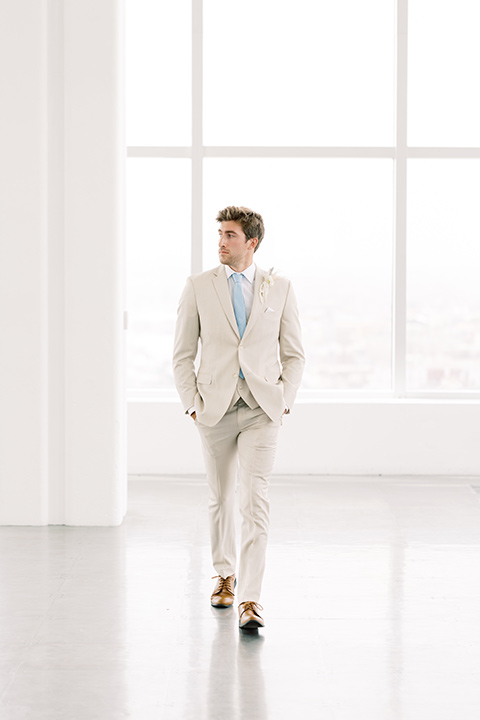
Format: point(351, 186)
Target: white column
point(56, 258)
point(94, 288)
point(62, 409)
point(23, 269)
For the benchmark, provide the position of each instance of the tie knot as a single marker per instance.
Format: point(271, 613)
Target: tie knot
point(237, 276)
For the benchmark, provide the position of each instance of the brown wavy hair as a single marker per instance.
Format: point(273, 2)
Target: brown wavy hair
point(250, 221)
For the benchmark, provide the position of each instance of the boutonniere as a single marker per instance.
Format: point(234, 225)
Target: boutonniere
point(267, 284)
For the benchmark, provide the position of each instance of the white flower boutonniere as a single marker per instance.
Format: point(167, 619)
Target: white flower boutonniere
point(267, 284)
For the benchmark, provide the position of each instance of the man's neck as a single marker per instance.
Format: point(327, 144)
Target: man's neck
point(241, 268)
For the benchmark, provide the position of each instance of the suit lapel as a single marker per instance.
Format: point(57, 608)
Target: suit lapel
point(221, 288)
point(257, 305)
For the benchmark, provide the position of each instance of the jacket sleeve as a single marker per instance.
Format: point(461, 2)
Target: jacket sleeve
point(187, 331)
point(292, 356)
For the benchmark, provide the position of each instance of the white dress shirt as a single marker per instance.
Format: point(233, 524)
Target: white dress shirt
point(247, 283)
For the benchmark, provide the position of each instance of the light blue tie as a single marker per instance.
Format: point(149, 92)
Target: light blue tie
point(239, 307)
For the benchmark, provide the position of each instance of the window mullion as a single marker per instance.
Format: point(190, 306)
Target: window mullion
point(400, 230)
point(197, 135)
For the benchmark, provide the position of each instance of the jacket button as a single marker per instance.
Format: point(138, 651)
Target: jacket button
point(234, 375)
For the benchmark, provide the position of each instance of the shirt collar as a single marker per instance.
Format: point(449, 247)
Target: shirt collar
point(249, 272)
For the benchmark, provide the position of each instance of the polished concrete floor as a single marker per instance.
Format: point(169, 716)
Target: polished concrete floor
point(371, 597)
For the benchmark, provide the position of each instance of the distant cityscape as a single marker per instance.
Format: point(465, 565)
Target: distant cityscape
point(345, 351)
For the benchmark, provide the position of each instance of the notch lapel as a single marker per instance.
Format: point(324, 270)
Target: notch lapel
point(257, 305)
point(221, 288)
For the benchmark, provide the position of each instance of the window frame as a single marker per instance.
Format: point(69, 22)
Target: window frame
point(400, 153)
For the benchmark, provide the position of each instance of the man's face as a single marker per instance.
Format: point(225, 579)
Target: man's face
point(233, 247)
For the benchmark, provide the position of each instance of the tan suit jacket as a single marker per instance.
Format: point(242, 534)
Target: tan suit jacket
point(270, 353)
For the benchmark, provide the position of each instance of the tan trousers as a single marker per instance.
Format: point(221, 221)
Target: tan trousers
point(244, 441)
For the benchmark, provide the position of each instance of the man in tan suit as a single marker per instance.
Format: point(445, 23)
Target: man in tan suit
point(250, 368)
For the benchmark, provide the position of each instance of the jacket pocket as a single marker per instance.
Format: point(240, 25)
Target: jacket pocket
point(273, 374)
point(204, 379)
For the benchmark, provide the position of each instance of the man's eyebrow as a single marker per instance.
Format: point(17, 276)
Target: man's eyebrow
point(228, 232)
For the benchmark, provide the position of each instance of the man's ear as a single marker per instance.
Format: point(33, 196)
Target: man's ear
point(254, 242)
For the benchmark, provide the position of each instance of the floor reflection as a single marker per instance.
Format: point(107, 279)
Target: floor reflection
point(251, 680)
point(222, 674)
point(371, 600)
point(236, 686)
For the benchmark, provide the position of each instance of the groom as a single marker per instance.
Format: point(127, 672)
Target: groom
point(251, 365)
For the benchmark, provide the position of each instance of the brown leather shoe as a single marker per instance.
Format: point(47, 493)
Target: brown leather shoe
point(224, 592)
point(249, 615)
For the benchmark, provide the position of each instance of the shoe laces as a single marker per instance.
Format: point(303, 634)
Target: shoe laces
point(250, 605)
point(224, 584)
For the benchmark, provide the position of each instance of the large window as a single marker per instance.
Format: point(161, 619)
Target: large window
point(307, 73)
point(354, 129)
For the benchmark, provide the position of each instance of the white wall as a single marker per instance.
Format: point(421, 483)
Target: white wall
point(62, 410)
point(409, 437)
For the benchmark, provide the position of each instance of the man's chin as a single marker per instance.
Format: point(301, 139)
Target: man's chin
point(223, 259)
